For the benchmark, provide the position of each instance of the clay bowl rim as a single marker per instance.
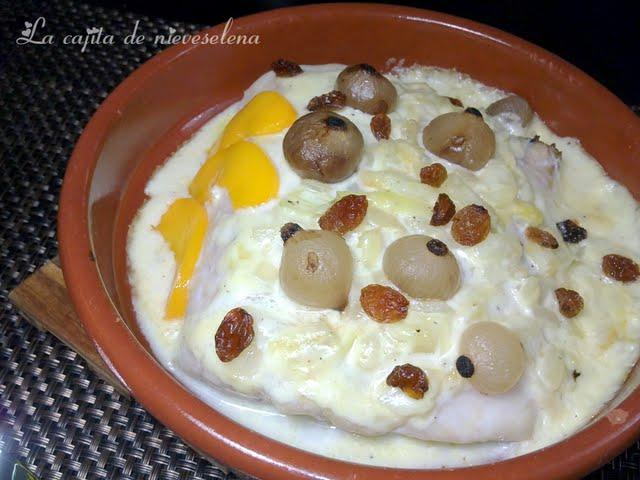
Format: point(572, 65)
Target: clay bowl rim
point(209, 431)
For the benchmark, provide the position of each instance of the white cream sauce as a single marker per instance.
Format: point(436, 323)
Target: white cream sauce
point(332, 366)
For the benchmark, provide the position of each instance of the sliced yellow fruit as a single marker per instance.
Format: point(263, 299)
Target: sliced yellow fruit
point(183, 226)
point(239, 166)
point(267, 112)
point(244, 170)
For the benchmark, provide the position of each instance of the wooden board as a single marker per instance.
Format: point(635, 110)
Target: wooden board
point(43, 299)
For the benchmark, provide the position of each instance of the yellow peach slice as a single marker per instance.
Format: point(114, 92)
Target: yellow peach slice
point(244, 170)
point(267, 112)
point(183, 226)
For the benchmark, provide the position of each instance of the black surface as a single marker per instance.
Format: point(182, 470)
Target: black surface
point(55, 415)
point(602, 38)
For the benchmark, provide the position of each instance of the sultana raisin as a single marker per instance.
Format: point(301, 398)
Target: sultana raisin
point(571, 232)
point(384, 304)
point(620, 268)
point(541, 237)
point(288, 230)
point(381, 126)
point(411, 379)
point(471, 225)
point(286, 68)
point(455, 101)
point(570, 302)
point(327, 101)
point(345, 215)
point(443, 210)
point(234, 334)
point(434, 175)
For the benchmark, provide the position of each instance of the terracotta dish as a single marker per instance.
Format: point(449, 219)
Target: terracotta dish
point(163, 102)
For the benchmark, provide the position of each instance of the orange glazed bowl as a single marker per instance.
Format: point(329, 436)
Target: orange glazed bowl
point(163, 102)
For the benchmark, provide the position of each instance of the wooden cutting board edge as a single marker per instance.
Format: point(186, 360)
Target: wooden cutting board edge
point(43, 300)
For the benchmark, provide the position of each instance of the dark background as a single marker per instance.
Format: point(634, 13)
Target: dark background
point(602, 38)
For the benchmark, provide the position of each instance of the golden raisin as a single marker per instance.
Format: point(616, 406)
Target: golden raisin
point(434, 174)
point(234, 334)
point(381, 126)
point(286, 68)
point(327, 101)
point(471, 225)
point(569, 301)
point(541, 237)
point(345, 215)
point(383, 304)
point(620, 268)
point(411, 379)
point(443, 210)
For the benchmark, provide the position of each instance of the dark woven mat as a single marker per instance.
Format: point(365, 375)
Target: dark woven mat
point(55, 415)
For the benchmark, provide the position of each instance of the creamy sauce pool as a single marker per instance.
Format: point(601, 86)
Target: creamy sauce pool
point(504, 278)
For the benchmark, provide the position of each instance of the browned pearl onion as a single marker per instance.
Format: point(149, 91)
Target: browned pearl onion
point(316, 269)
point(460, 137)
point(367, 89)
point(497, 356)
point(422, 267)
point(514, 105)
point(323, 146)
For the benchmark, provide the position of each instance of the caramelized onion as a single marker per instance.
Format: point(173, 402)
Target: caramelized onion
point(316, 269)
point(497, 357)
point(323, 146)
point(460, 137)
point(367, 89)
point(422, 267)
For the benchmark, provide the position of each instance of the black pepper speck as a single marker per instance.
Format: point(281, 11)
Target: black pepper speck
point(473, 111)
point(288, 230)
point(571, 232)
point(335, 123)
point(371, 70)
point(437, 247)
point(465, 367)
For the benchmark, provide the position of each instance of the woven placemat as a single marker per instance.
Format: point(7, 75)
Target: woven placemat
point(55, 415)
